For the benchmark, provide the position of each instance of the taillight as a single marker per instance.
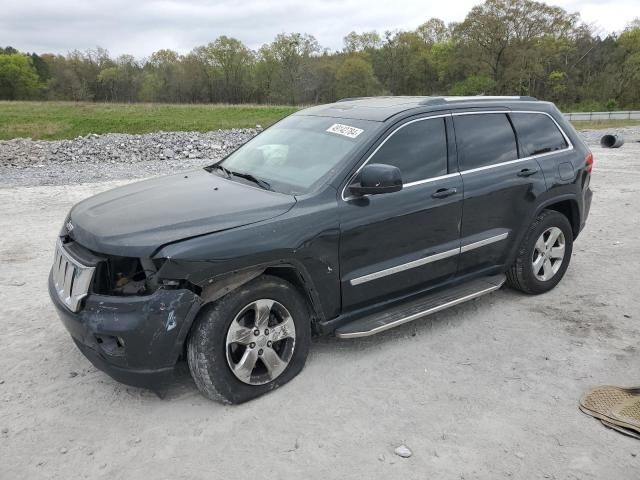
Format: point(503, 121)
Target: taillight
point(588, 160)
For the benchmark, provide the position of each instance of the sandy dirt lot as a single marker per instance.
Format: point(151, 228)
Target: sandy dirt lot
point(486, 390)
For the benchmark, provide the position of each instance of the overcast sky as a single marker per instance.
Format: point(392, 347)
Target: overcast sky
point(141, 27)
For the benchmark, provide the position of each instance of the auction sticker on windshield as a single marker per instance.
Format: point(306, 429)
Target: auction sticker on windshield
point(345, 130)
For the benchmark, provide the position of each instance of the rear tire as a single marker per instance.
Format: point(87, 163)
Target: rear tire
point(544, 254)
point(230, 356)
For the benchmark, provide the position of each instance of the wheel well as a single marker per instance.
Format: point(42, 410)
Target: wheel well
point(569, 208)
point(293, 276)
point(288, 273)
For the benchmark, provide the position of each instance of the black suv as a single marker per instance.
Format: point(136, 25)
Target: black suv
point(349, 218)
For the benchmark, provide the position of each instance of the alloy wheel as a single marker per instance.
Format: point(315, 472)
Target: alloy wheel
point(260, 342)
point(548, 254)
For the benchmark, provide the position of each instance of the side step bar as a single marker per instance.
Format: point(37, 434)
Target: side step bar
point(407, 312)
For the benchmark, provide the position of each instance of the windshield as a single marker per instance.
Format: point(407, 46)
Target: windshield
point(297, 153)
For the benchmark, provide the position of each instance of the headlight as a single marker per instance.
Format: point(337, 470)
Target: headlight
point(67, 226)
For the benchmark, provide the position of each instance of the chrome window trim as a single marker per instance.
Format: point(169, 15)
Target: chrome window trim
point(517, 160)
point(425, 260)
point(428, 180)
point(411, 184)
point(462, 172)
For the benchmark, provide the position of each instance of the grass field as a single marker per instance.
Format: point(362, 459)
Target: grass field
point(58, 120)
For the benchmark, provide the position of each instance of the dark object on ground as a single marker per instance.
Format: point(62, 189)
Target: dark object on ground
point(618, 408)
point(615, 140)
point(350, 218)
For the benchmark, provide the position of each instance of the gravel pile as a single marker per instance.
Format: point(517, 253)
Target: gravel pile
point(113, 156)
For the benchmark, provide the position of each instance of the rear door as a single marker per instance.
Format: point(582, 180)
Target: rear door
point(501, 185)
point(397, 243)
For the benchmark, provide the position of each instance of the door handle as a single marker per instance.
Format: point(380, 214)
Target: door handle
point(444, 192)
point(527, 172)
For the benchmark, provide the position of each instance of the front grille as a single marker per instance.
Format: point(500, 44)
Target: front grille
point(70, 278)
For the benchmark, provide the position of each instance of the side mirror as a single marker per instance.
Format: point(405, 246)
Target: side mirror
point(377, 178)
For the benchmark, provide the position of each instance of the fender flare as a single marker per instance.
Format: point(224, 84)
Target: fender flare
point(539, 208)
point(219, 286)
point(573, 199)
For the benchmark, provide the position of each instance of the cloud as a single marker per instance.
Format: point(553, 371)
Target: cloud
point(140, 27)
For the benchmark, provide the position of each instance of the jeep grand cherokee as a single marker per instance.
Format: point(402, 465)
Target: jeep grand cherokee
point(345, 219)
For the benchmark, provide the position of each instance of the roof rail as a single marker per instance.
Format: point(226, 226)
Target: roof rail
point(349, 99)
point(476, 98)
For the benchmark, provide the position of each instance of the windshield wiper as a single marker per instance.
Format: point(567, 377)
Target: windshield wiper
point(226, 172)
point(251, 178)
point(247, 176)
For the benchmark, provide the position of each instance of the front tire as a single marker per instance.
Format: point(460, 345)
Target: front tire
point(250, 342)
point(544, 254)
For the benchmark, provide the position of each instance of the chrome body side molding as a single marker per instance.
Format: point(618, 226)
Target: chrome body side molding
point(426, 260)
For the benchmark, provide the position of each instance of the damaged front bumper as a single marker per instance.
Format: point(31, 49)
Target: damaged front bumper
point(137, 340)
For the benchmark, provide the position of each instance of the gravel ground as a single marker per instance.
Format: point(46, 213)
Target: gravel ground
point(485, 390)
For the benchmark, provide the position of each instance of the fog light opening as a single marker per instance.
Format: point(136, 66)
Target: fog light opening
point(111, 345)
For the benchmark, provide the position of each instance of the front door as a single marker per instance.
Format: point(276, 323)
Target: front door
point(396, 243)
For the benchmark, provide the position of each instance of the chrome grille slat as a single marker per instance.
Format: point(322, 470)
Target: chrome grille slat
point(71, 278)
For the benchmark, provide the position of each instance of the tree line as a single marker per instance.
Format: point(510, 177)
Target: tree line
point(514, 47)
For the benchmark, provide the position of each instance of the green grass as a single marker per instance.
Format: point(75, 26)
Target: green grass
point(599, 124)
point(58, 120)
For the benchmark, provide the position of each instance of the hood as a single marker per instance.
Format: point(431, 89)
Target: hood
point(137, 219)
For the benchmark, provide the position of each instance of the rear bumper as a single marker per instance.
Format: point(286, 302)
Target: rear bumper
point(136, 340)
point(588, 195)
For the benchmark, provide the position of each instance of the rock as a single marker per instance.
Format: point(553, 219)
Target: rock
point(381, 457)
point(25, 162)
point(5, 430)
point(403, 451)
point(63, 450)
point(73, 374)
point(520, 455)
point(137, 440)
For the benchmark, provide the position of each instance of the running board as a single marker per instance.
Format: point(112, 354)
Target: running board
point(407, 312)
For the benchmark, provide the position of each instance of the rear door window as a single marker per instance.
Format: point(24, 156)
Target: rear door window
point(418, 149)
point(537, 133)
point(485, 139)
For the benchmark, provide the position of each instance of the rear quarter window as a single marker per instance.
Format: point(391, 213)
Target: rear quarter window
point(537, 133)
